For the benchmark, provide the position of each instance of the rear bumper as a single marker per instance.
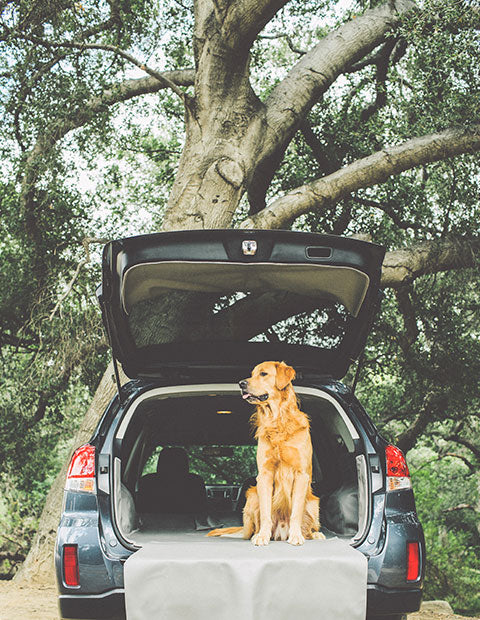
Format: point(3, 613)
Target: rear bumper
point(111, 604)
point(382, 601)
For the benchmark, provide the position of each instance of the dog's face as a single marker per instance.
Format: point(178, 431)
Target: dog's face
point(267, 381)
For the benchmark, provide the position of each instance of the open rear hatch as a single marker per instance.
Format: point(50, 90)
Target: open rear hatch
point(224, 299)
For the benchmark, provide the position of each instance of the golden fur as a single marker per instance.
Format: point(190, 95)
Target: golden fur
point(282, 505)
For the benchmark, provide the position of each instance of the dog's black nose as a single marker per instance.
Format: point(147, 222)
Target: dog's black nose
point(243, 384)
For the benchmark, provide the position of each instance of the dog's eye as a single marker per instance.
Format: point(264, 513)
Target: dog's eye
point(263, 374)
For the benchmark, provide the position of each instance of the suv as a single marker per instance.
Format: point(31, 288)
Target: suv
point(188, 314)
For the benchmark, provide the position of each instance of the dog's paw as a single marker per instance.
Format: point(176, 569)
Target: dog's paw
point(296, 539)
point(260, 539)
point(318, 536)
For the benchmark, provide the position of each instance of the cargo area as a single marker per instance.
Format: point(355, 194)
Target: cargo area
point(186, 455)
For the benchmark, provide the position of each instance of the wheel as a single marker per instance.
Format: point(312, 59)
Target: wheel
point(388, 617)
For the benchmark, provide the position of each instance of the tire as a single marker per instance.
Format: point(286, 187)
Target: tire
point(388, 617)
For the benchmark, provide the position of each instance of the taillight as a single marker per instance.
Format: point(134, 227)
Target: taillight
point(413, 561)
point(398, 476)
point(71, 575)
point(81, 472)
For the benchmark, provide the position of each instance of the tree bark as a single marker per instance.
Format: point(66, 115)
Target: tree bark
point(402, 266)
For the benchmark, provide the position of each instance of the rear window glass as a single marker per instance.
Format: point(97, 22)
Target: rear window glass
point(216, 464)
point(272, 316)
point(323, 328)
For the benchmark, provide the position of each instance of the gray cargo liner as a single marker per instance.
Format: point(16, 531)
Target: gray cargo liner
point(190, 577)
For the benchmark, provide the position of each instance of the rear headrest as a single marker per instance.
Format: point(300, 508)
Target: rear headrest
point(172, 462)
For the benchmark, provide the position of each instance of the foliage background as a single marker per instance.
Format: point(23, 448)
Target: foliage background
point(112, 177)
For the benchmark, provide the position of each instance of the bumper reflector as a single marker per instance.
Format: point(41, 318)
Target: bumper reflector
point(413, 561)
point(71, 575)
point(397, 484)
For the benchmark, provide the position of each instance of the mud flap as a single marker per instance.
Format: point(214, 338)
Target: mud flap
point(219, 578)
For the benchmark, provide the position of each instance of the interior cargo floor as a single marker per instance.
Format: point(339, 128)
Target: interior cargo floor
point(180, 528)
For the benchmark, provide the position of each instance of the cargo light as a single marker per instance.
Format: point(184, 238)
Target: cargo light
point(413, 561)
point(398, 476)
point(71, 575)
point(81, 471)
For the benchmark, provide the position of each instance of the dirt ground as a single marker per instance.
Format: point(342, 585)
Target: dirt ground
point(40, 603)
point(22, 603)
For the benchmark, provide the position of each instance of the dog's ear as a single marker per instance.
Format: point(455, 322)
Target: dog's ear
point(285, 375)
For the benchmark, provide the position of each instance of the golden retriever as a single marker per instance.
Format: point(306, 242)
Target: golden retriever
point(282, 505)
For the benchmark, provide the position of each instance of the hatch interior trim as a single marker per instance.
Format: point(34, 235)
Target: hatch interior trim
point(146, 281)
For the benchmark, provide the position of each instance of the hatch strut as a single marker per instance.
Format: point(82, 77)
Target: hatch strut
point(357, 371)
point(361, 357)
point(114, 359)
point(117, 378)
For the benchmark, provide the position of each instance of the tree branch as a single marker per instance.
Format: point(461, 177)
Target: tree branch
point(365, 172)
point(378, 56)
point(86, 246)
point(59, 128)
point(468, 444)
point(290, 43)
point(473, 468)
point(460, 507)
point(316, 71)
point(17, 341)
point(292, 99)
point(161, 77)
point(254, 314)
point(380, 79)
point(368, 61)
point(432, 404)
point(327, 161)
point(343, 220)
point(246, 18)
point(407, 310)
point(403, 266)
point(389, 208)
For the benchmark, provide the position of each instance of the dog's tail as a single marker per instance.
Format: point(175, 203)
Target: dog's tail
point(232, 532)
